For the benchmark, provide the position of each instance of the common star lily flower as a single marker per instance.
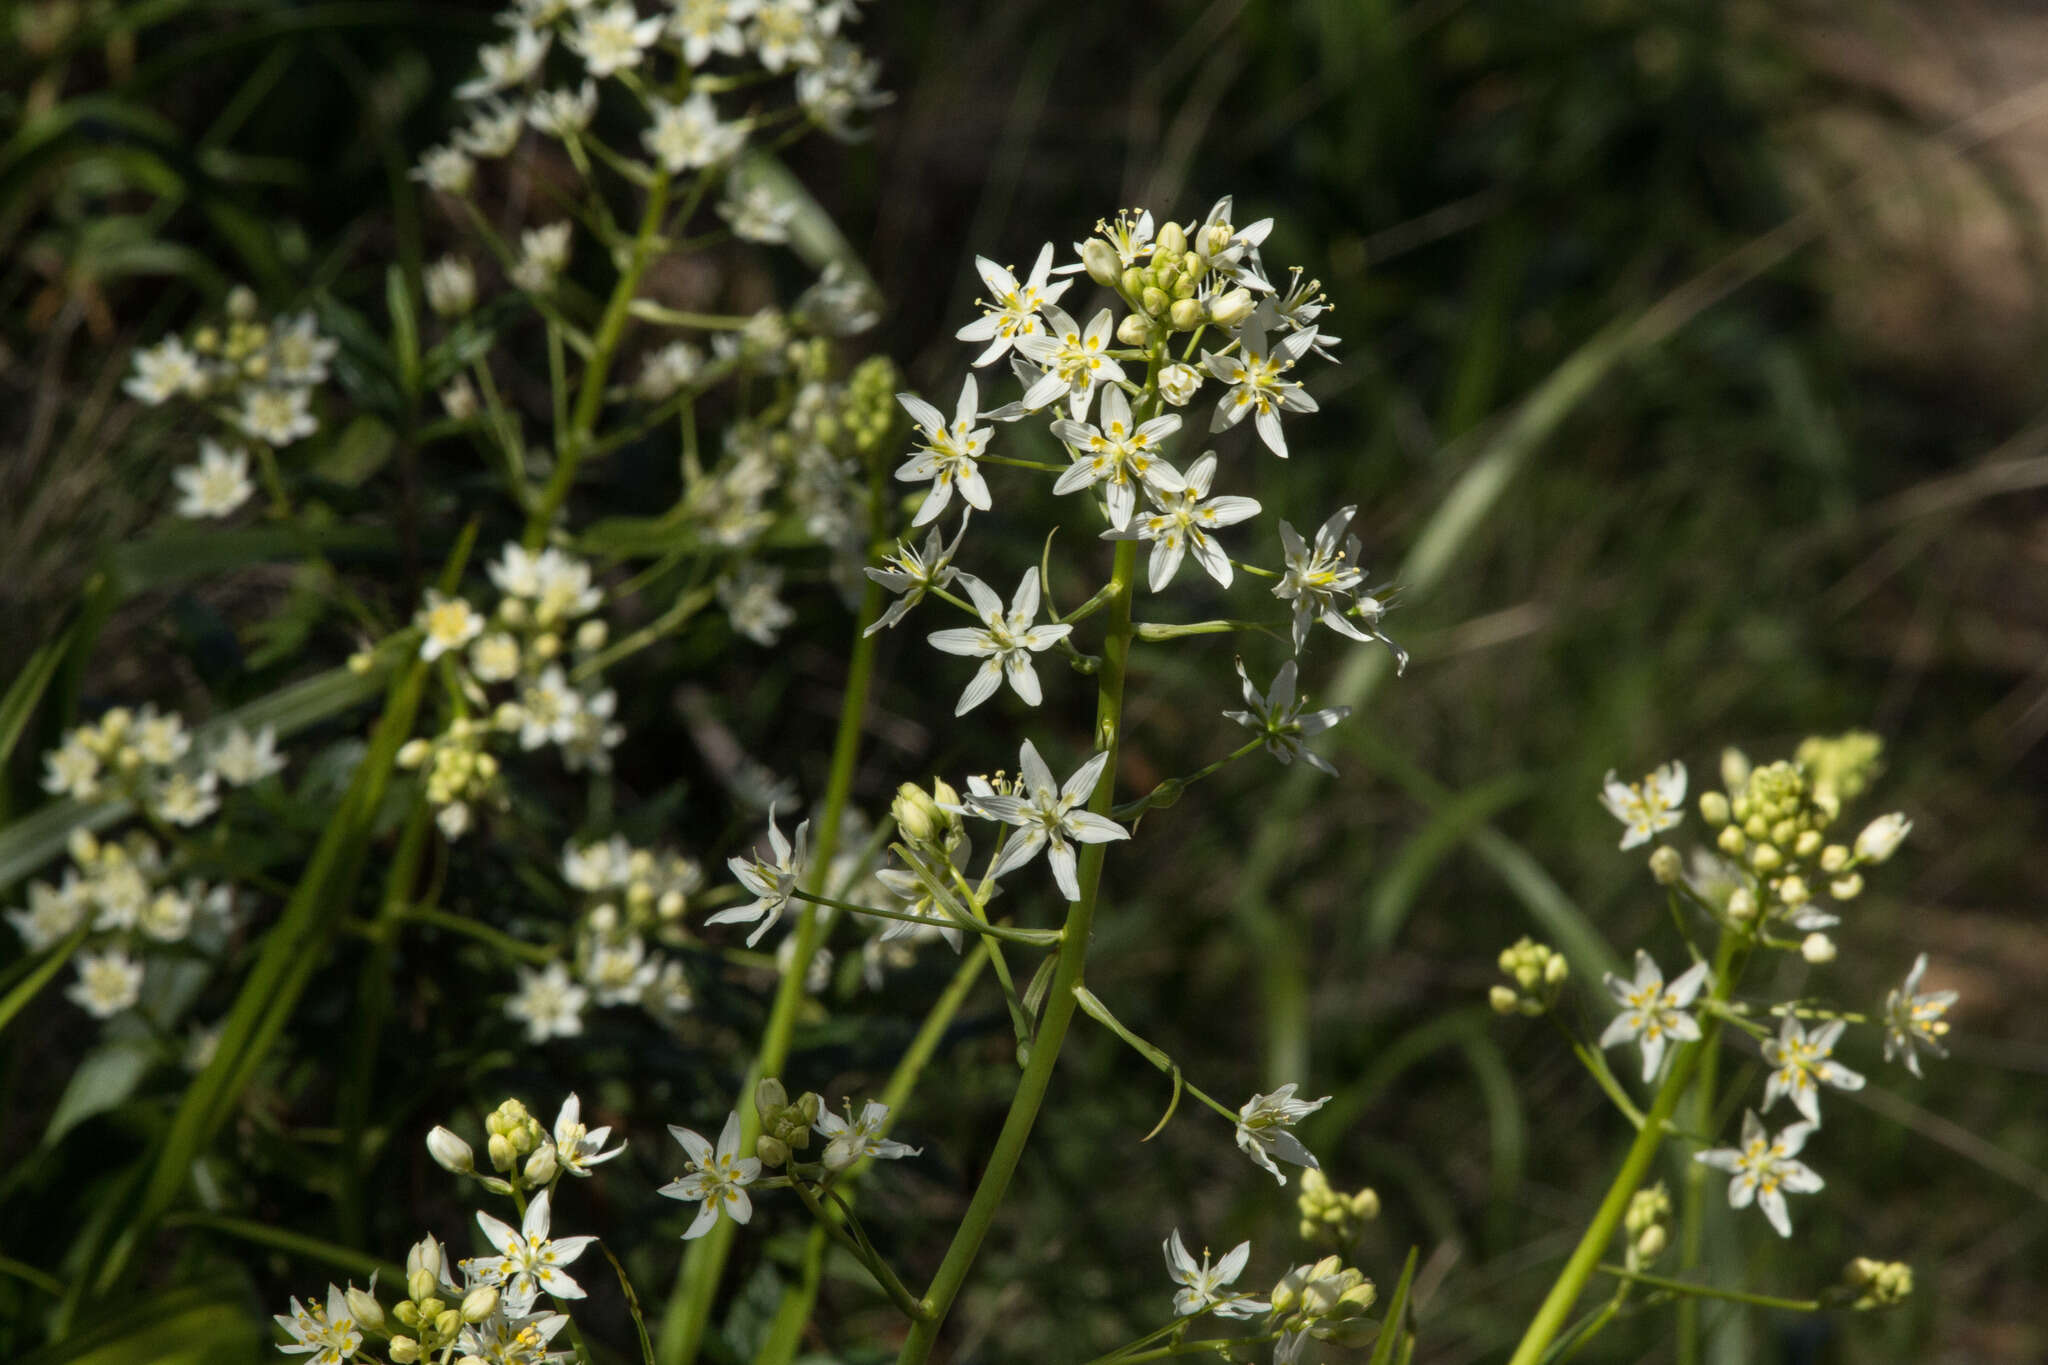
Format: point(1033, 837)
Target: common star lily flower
point(1804, 1062)
point(717, 1177)
point(1011, 309)
point(578, 1148)
point(1005, 641)
point(1053, 817)
point(164, 371)
point(1765, 1170)
point(1652, 1013)
point(613, 38)
point(325, 1336)
point(507, 1338)
point(1279, 717)
point(690, 135)
point(912, 572)
point(948, 454)
point(549, 1003)
point(1322, 581)
point(1265, 1129)
point(1073, 360)
point(1120, 455)
point(217, 485)
point(529, 1259)
point(1230, 251)
point(1182, 520)
point(1202, 1286)
point(773, 884)
point(1647, 807)
point(849, 1139)
point(508, 63)
point(1912, 1018)
point(1259, 387)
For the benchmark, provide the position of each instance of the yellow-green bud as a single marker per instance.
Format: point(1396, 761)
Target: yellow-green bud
point(916, 815)
point(1881, 837)
point(1817, 949)
point(1714, 808)
point(547, 646)
point(1765, 858)
point(1134, 330)
point(504, 1156)
point(542, 1165)
point(769, 1096)
point(447, 1323)
point(1132, 282)
point(1187, 314)
point(369, 1314)
point(1104, 266)
point(407, 1312)
point(1742, 905)
point(1650, 1242)
point(450, 1152)
point(1730, 840)
point(1503, 999)
point(1794, 891)
point(1666, 867)
point(404, 1351)
point(1556, 969)
point(1807, 844)
point(512, 611)
point(421, 1284)
point(479, 1303)
point(1155, 300)
point(772, 1151)
point(1172, 241)
point(1757, 827)
point(1834, 858)
point(1846, 888)
point(1365, 1204)
point(414, 752)
point(591, 635)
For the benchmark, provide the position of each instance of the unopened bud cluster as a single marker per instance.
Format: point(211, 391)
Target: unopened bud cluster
point(1647, 1224)
point(1878, 1284)
point(433, 1310)
point(1328, 1300)
point(1539, 973)
point(785, 1123)
point(1330, 1215)
point(514, 1134)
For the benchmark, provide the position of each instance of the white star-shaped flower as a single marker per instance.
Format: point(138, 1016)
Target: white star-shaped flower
point(446, 623)
point(325, 1336)
point(164, 371)
point(1764, 1169)
point(217, 485)
point(1259, 387)
point(686, 136)
point(613, 38)
point(948, 455)
point(549, 1003)
point(1265, 1129)
point(1006, 640)
point(1011, 309)
point(773, 884)
point(1052, 816)
point(578, 1148)
point(1202, 1286)
point(1182, 522)
point(1120, 455)
point(1322, 580)
point(849, 1139)
point(1073, 360)
point(1647, 807)
point(718, 1177)
point(1804, 1063)
point(1913, 1017)
point(277, 417)
point(913, 572)
point(508, 63)
point(529, 1259)
point(1653, 1013)
point(107, 983)
point(1279, 717)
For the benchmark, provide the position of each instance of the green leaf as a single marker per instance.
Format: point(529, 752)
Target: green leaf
point(26, 692)
point(196, 1323)
point(1394, 1327)
point(364, 447)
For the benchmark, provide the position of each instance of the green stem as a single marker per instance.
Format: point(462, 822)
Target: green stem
point(511, 947)
point(1695, 1292)
point(1061, 1001)
point(861, 1251)
point(689, 1310)
point(1042, 938)
point(1585, 1259)
point(31, 986)
point(1693, 1198)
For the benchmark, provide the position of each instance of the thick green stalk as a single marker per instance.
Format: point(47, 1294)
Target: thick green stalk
point(1585, 1258)
point(689, 1307)
point(1693, 1198)
point(1060, 1000)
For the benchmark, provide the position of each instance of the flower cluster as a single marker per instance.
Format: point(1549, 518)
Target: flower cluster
point(256, 379)
point(510, 666)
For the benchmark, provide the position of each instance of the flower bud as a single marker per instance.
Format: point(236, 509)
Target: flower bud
point(547, 646)
point(408, 1313)
point(1742, 905)
point(1187, 314)
point(918, 817)
point(1834, 858)
point(414, 752)
point(591, 635)
point(458, 400)
point(404, 1351)
point(1817, 949)
point(1132, 282)
point(479, 1303)
point(1735, 769)
point(1714, 808)
point(1881, 837)
point(542, 1165)
point(1846, 888)
point(1171, 242)
point(1134, 330)
point(1650, 1242)
point(1556, 969)
point(1102, 263)
point(1155, 301)
point(421, 1284)
point(1730, 840)
point(1794, 891)
point(769, 1096)
point(1365, 1204)
point(1503, 999)
point(1178, 384)
point(1666, 867)
point(1227, 310)
point(450, 1152)
point(772, 1151)
point(842, 1152)
point(368, 1313)
point(1807, 844)
point(503, 1156)
point(447, 1322)
point(426, 1255)
point(1765, 858)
